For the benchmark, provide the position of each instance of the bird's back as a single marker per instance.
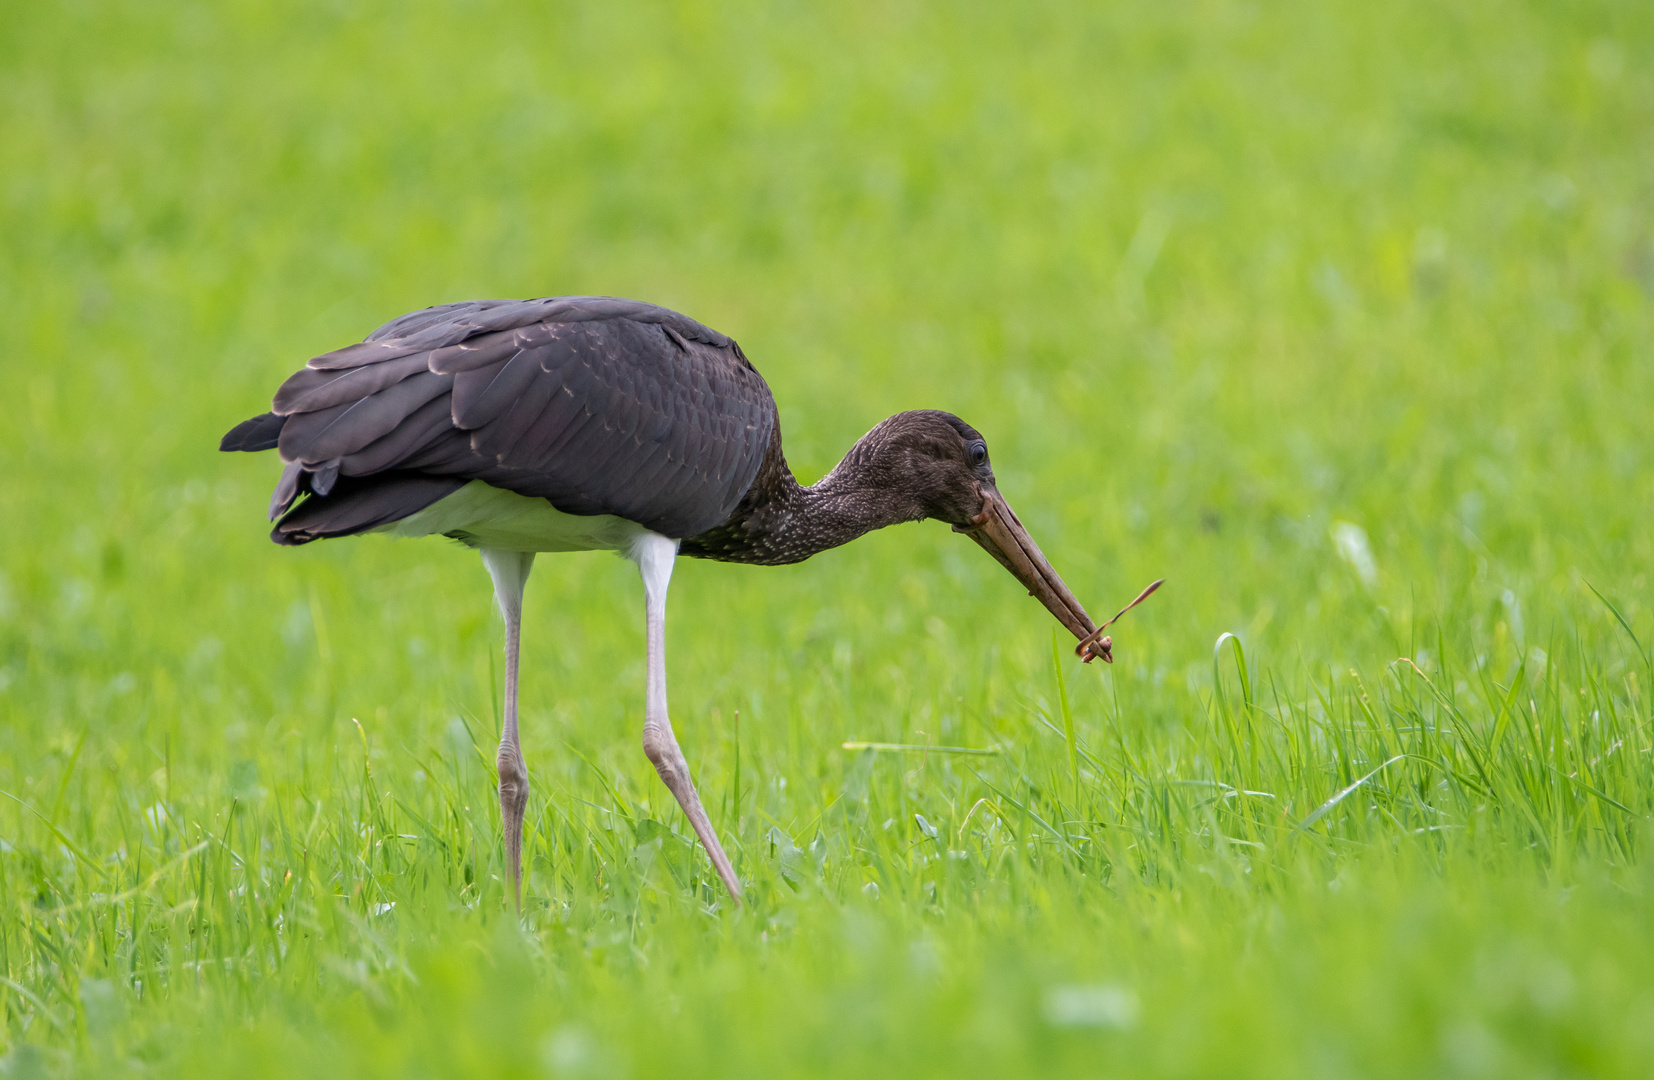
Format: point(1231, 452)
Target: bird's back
point(596, 404)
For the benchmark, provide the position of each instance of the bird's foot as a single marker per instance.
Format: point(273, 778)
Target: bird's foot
point(513, 801)
point(669, 762)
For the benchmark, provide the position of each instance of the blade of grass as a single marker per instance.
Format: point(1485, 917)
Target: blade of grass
point(1327, 806)
point(1067, 715)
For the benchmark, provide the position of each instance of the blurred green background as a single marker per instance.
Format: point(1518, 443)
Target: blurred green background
point(1335, 315)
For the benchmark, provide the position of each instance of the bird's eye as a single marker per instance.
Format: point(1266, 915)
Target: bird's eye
point(978, 452)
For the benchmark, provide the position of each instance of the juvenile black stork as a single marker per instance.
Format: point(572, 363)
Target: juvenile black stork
point(583, 423)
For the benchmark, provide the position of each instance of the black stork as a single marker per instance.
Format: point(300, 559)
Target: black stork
point(583, 423)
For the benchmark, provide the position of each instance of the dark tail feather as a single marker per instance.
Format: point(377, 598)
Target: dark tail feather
point(358, 504)
point(253, 435)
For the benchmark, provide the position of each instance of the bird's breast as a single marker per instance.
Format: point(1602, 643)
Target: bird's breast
point(484, 516)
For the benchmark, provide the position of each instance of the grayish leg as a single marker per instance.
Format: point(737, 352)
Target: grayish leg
point(654, 555)
point(509, 569)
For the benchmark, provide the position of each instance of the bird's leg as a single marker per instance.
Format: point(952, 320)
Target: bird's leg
point(654, 555)
point(509, 569)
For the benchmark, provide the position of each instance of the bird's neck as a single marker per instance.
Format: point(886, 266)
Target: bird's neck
point(781, 521)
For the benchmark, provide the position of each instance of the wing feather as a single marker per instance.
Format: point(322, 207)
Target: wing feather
point(483, 394)
point(361, 505)
point(331, 433)
point(287, 489)
point(482, 351)
point(392, 449)
point(498, 439)
point(310, 390)
point(448, 454)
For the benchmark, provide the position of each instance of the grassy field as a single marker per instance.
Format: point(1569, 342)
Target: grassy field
point(1335, 315)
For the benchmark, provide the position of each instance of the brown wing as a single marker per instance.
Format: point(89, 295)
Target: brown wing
point(599, 405)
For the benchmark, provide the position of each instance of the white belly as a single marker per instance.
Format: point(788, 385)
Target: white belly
point(485, 516)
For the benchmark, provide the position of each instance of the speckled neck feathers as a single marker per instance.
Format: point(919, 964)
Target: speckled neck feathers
point(781, 521)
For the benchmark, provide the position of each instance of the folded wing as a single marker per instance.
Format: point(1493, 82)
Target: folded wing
point(599, 405)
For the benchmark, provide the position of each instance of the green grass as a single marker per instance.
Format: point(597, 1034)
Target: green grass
point(1335, 315)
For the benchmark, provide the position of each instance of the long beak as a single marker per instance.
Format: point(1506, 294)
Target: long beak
point(999, 532)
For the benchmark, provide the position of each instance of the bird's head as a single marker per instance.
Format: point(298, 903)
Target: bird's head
point(938, 466)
